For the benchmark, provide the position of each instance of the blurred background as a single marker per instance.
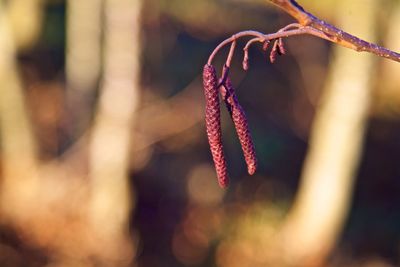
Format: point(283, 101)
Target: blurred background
point(105, 160)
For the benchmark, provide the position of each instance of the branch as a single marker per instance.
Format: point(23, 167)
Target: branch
point(18, 146)
point(336, 35)
point(307, 24)
point(262, 38)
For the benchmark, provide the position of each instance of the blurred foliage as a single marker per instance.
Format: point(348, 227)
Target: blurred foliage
point(286, 95)
point(181, 217)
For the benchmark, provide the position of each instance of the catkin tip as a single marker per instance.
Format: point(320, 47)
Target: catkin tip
point(223, 183)
point(251, 169)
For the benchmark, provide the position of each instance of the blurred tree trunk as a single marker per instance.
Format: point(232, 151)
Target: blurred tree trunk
point(26, 21)
point(83, 61)
point(77, 221)
point(388, 94)
point(110, 138)
point(323, 200)
point(19, 155)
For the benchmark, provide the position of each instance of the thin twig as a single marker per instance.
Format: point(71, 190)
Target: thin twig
point(231, 39)
point(251, 41)
point(224, 76)
point(245, 62)
point(231, 52)
point(272, 36)
point(291, 26)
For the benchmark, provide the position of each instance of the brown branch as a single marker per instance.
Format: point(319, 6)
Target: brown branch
point(336, 35)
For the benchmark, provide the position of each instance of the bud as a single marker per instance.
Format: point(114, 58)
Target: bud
point(277, 49)
point(266, 45)
point(274, 52)
point(281, 47)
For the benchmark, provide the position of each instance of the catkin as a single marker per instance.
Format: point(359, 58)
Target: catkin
point(274, 52)
point(213, 123)
point(277, 49)
point(241, 125)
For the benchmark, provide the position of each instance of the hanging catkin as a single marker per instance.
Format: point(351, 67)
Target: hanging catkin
point(242, 127)
point(213, 123)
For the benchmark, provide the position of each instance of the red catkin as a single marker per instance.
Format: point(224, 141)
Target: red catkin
point(277, 49)
point(242, 127)
point(265, 45)
point(274, 52)
point(213, 123)
point(281, 46)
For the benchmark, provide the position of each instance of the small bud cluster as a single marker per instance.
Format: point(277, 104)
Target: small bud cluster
point(277, 49)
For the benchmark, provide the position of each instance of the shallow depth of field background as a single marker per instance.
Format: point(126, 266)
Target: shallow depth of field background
point(104, 156)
